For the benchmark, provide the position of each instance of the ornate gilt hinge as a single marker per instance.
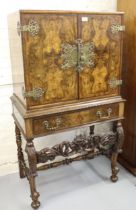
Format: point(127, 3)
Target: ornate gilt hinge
point(32, 27)
point(113, 83)
point(115, 28)
point(35, 93)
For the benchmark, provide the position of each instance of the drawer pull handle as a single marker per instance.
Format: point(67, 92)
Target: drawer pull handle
point(50, 128)
point(102, 115)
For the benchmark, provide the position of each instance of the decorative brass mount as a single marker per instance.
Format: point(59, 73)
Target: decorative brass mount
point(115, 28)
point(36, 93)
point(77, 55)
point(113, 83)
point(32, 27)
point(69, 55)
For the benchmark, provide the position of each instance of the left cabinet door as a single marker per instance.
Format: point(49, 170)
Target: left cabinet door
point(50, 58)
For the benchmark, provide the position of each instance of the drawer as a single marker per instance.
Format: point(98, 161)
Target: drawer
point(56, 122)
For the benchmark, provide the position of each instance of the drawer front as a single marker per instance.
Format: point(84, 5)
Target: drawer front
point(52, 123)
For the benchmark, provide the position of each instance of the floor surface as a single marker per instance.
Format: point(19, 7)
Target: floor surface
point(83, 185)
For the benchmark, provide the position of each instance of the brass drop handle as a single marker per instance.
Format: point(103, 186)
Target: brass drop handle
point(102, 115)
point(50, 128)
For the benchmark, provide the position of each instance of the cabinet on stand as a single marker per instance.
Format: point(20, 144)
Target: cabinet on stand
point(67, 74)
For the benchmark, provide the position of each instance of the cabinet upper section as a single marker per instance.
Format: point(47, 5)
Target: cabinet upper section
point(69, 56)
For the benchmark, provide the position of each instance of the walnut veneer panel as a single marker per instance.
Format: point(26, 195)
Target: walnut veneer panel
point(42, 58)
point(94, 82)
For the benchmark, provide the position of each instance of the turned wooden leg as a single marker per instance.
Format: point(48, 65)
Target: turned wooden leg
point(34, 194)
point(32, 159)
point(114, 167)
point(91, 130)
point(21, 161)
point(116, 150)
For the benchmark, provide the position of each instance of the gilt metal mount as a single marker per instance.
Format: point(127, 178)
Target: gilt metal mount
point(77, 55)
point(69, 55)
point(32, 27)
point(115, 28)
point(35, 93)
point(113, 83)
point(86, 54)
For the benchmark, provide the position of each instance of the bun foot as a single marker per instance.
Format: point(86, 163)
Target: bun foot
point(114, 178)
point(35, 204)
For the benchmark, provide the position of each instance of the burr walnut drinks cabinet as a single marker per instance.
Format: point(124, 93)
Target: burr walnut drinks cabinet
point(66, 74)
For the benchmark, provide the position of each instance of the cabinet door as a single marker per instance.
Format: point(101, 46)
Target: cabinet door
point(101, 38)
point(47, 77)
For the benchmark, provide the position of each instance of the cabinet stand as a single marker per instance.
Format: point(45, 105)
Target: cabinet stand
point(83, 147)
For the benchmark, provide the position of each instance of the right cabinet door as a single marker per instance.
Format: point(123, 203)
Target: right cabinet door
point(100, 55)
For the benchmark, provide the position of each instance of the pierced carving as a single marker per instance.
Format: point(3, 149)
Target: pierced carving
point(79, 145)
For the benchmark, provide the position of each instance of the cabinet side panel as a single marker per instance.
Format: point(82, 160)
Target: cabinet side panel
point(129, 87)
point(16, 56)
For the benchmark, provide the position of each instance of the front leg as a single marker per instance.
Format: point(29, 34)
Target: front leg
point(32, 159)
point(91, 130)
point(34, 194)
point(116, 150)
point(21, 161)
